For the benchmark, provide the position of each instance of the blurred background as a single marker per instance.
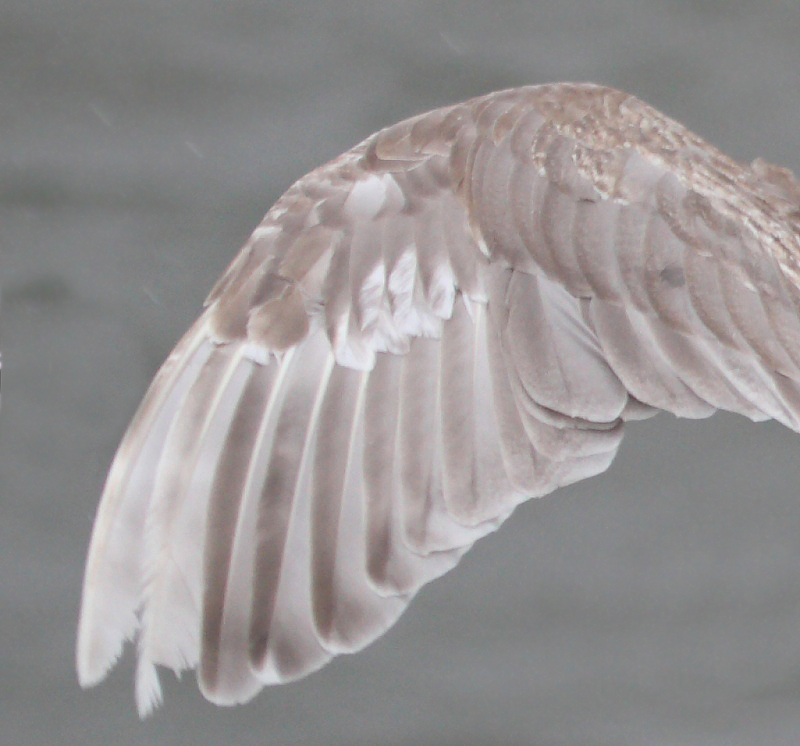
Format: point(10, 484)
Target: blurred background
point(141, 142)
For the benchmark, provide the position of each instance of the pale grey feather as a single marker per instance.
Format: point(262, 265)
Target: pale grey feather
point(172, 563)
point(457, 314)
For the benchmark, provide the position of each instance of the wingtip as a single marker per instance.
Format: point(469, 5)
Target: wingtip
point(86, 678)
point(98, 647)
point(148, 689)
point(93, 660)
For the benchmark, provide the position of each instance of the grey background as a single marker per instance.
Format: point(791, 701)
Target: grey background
point(141, 142)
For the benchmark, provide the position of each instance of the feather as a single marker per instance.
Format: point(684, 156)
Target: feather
point(113, 578)
point(172, 586)
point(282, 506)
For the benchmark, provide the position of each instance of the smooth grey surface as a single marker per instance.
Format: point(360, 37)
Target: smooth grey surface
point(141, 142)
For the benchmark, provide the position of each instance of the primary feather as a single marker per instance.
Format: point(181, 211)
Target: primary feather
point(456, 315)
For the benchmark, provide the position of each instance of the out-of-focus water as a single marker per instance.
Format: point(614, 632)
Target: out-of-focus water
point(139, 145)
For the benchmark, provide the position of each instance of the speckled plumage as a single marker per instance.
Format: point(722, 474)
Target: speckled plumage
point(456, 315)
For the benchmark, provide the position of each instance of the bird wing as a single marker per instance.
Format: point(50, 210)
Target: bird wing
point(456, 315)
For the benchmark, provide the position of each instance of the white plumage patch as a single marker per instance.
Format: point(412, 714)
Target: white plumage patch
point(365, 199)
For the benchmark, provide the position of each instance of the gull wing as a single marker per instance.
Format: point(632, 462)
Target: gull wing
point(456, 315)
